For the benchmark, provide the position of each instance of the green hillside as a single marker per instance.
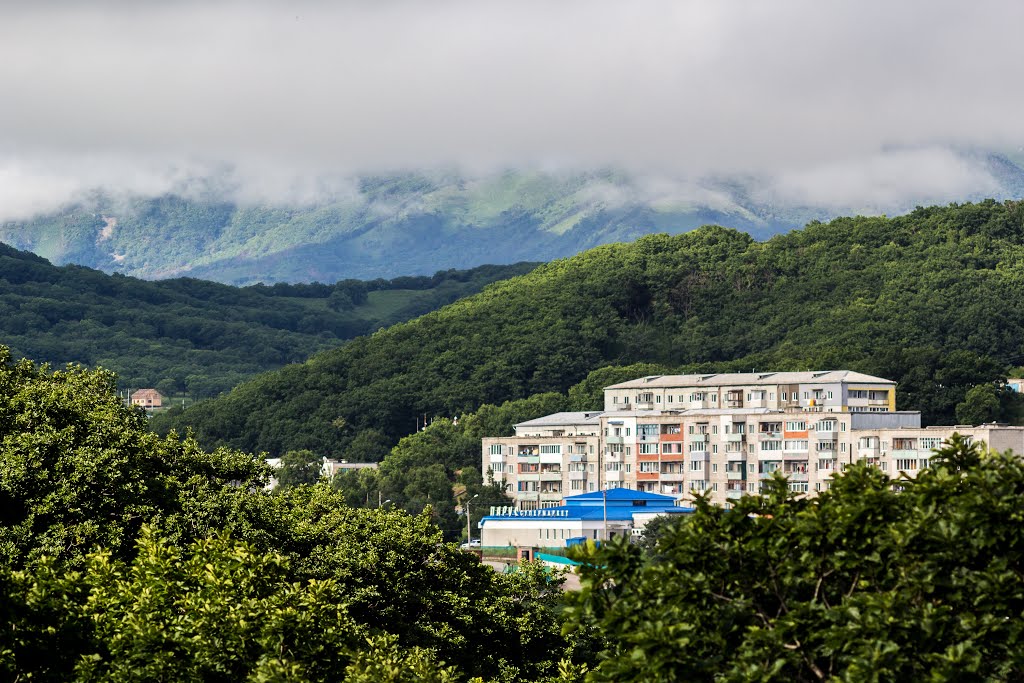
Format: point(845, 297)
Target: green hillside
point(196, 337)
point(932, 299)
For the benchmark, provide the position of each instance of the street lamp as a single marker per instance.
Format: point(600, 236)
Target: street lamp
point(469, 527)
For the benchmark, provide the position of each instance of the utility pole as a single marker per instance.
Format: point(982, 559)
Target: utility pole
point(469, 526)
point(604, 498)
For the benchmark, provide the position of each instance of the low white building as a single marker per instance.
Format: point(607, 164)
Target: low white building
point(590, 516)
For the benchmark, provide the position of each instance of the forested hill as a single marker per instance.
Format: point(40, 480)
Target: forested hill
point(933, 299)
point(196, 337)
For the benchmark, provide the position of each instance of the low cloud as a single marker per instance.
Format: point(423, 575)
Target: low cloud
point(289, 101)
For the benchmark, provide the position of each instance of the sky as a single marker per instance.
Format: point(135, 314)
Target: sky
point(834, 102)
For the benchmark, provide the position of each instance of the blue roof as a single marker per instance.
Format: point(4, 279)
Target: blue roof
point(619, 496)
point(613, 504)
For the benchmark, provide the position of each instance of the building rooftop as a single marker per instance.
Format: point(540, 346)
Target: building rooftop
point(751, 378)
point(590, 417)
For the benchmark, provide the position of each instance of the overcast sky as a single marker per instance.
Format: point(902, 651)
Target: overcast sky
point(832, 101)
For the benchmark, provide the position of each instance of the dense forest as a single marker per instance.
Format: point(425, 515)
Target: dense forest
point(126, 556)
point(187, 336)
point(932, 299)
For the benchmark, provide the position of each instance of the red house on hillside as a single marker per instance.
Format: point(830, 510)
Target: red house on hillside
point(147, 398)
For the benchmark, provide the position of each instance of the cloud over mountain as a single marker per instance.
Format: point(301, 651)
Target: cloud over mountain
point(293, 98)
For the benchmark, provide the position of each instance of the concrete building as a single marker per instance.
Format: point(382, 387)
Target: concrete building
point(672, 435)
point(598, 515)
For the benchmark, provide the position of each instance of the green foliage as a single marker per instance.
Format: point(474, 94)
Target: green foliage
point(298, 468)
point(930, 299)
point(199, 338)
point(129, 556)
point(79, 469)
point(875, 580)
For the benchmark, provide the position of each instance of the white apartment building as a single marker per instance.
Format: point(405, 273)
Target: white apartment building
point(805, 425)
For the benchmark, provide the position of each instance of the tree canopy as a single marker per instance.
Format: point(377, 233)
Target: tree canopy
point(874, 580)
point(125, 555)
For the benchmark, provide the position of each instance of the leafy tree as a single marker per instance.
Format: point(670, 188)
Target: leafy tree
point(981, 404)
point(875, 579)
point(298, 468)
point(130, 556)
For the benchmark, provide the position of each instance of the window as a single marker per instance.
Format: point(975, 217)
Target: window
point(795, 445)
point(649, 448)
point(785, 395)
point(657, 399)
point(647, 467)
point(495, 449)
point(929, 443)
point(670, 448)
point(629, 450)
point(551, 450)
point(696, 465)
point(904, 464)
point(714, 467)
point(796, 426)
point(669, 397)
point(615, 399)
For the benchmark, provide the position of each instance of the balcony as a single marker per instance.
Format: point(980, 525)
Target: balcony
point(769, 436)
point(614, 476)
point(868, 451)
point(904, 453)
point(643, 405)
point(766, 475)
point(577, 458)
point(699, 437)
point(733, 495)
point(796, 476)
point(648, 476)
point(529, 459)
point(529, 476)
point(830, 454)
point(673, 476)
point(551, 476)
point(735, 456)
point(548, 496)
point(736, 476)
point(736, 438)
point(698, 455)
point(497, 457)
point(577, 476)
point(614, 439)
point(677, 436)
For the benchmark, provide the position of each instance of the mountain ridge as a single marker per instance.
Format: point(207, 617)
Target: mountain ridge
point(409, 224)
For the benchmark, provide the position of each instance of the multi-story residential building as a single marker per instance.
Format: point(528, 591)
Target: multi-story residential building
point(806, 426)
point(548, 459)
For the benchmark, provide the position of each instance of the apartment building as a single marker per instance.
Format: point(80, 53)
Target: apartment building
point(548, 459)
point(807, 426)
